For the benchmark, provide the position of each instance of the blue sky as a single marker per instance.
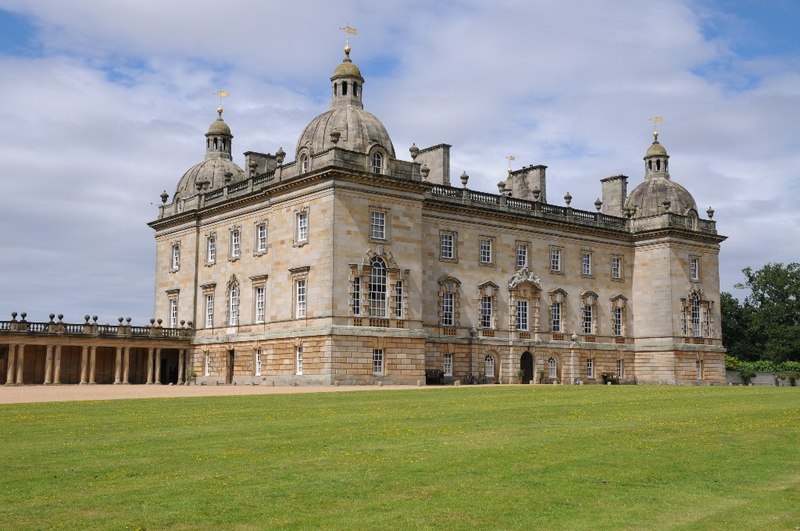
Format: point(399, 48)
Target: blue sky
point(107, 104)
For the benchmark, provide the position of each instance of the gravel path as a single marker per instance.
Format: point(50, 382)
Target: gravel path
point(68, 393)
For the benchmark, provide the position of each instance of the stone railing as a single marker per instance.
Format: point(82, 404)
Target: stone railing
point(52, 327)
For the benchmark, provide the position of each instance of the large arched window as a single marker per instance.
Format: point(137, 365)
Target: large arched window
point(553, 367)
point(377, 288)
point(233, 302)
point(488, 366)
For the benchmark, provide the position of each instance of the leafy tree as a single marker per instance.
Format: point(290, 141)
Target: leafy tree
point(736, 319)
point(774, 311)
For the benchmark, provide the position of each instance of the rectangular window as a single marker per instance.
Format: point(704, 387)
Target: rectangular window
point(620, 368)
point(522, 315)
point(233, 307)
point(555, 260)
point(377, 361)
point(260, 296)
point(398, 299)
point(698, 365)
point(486, 312)
point(555, 317)
point(175, 262)
point(447, 309)
point(522, 255)
point(448, 365)
point(586, 263)
point(588, 319)
point(261, 238)
point(486, 256)
point(209, 311)
point(616, 320)
point(378, 225)
point(694, 268)
point(299, 360)
point(236, 243)
point(357, 296)
point(447, 245)
point(211, 249)
point(258, 362)
point(173, 313)
point(590, 368)
point(300, 298)
point(302, 226)
point(616, 267)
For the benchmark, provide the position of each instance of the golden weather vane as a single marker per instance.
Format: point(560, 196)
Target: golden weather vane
point(656, 120)
point(348, 30)
point(221, 93)
point(510, 158)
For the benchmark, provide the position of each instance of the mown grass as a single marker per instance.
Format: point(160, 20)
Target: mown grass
point(488, 456)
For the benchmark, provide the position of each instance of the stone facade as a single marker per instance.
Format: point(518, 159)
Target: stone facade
point(349, 265)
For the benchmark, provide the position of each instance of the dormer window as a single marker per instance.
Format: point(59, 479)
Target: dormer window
point(377, 162)
point(304, 163)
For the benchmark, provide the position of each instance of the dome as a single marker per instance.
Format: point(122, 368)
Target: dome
point(211, 172)
point(219, 127)
point(657, 187)
point(359, 131)
point(650, 195)
point(352, 127)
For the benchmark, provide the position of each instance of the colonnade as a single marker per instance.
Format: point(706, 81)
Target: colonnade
point(15, 364)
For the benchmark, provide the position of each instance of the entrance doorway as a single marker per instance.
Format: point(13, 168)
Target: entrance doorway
point(229, 374)
point(526, 365)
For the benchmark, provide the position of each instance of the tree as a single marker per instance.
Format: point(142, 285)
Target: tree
point(774, 308)
point(736, 319)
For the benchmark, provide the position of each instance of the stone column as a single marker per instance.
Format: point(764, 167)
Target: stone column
point(149, 366)
point(84, 364)
point(158, 367)
point(118, 366)
point(48, 365)
point(20, 364)
point(57, 367)
point(181, 365)
point(12, 358)
point(126, 367)
point(92, 363)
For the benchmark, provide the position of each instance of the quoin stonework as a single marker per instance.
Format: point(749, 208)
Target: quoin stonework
point(352, 264)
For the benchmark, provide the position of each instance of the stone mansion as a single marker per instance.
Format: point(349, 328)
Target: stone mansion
point(351, 265)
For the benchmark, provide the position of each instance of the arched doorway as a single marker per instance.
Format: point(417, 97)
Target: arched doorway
point(526, 366)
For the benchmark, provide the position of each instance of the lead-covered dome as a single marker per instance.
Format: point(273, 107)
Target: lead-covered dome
point(658, 188)
point(346, 125)
point(218, 168)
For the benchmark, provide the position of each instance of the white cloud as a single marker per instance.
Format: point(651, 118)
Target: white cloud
point(115, 110)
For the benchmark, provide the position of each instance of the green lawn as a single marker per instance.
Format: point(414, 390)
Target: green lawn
point(488, 456)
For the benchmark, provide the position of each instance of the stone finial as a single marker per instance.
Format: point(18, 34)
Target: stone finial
point(86, 318)
point(189, 324)
point(120, 319)
point(280, 155)
point(425, 170)
point(13, 316)
point(94, 318)
point(253, 166)
point(464, 179)
point(710, 213)
point(183, 323)
point(164, 197)
point(128, 320)
point(60, 317)
point(598, 204)
point(536, 194)
point(52, 315)
point(568, 198)
point(152, 321)
point(159, 321)
point(501, 187)
point(23, 315)
point(414, 150)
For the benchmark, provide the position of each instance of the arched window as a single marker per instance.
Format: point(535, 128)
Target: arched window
point(344, 88)
point(488, 366)
point(551, 364)
point(233, 304)
point(303, 163)
point(377, 162)
point(377, 288)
